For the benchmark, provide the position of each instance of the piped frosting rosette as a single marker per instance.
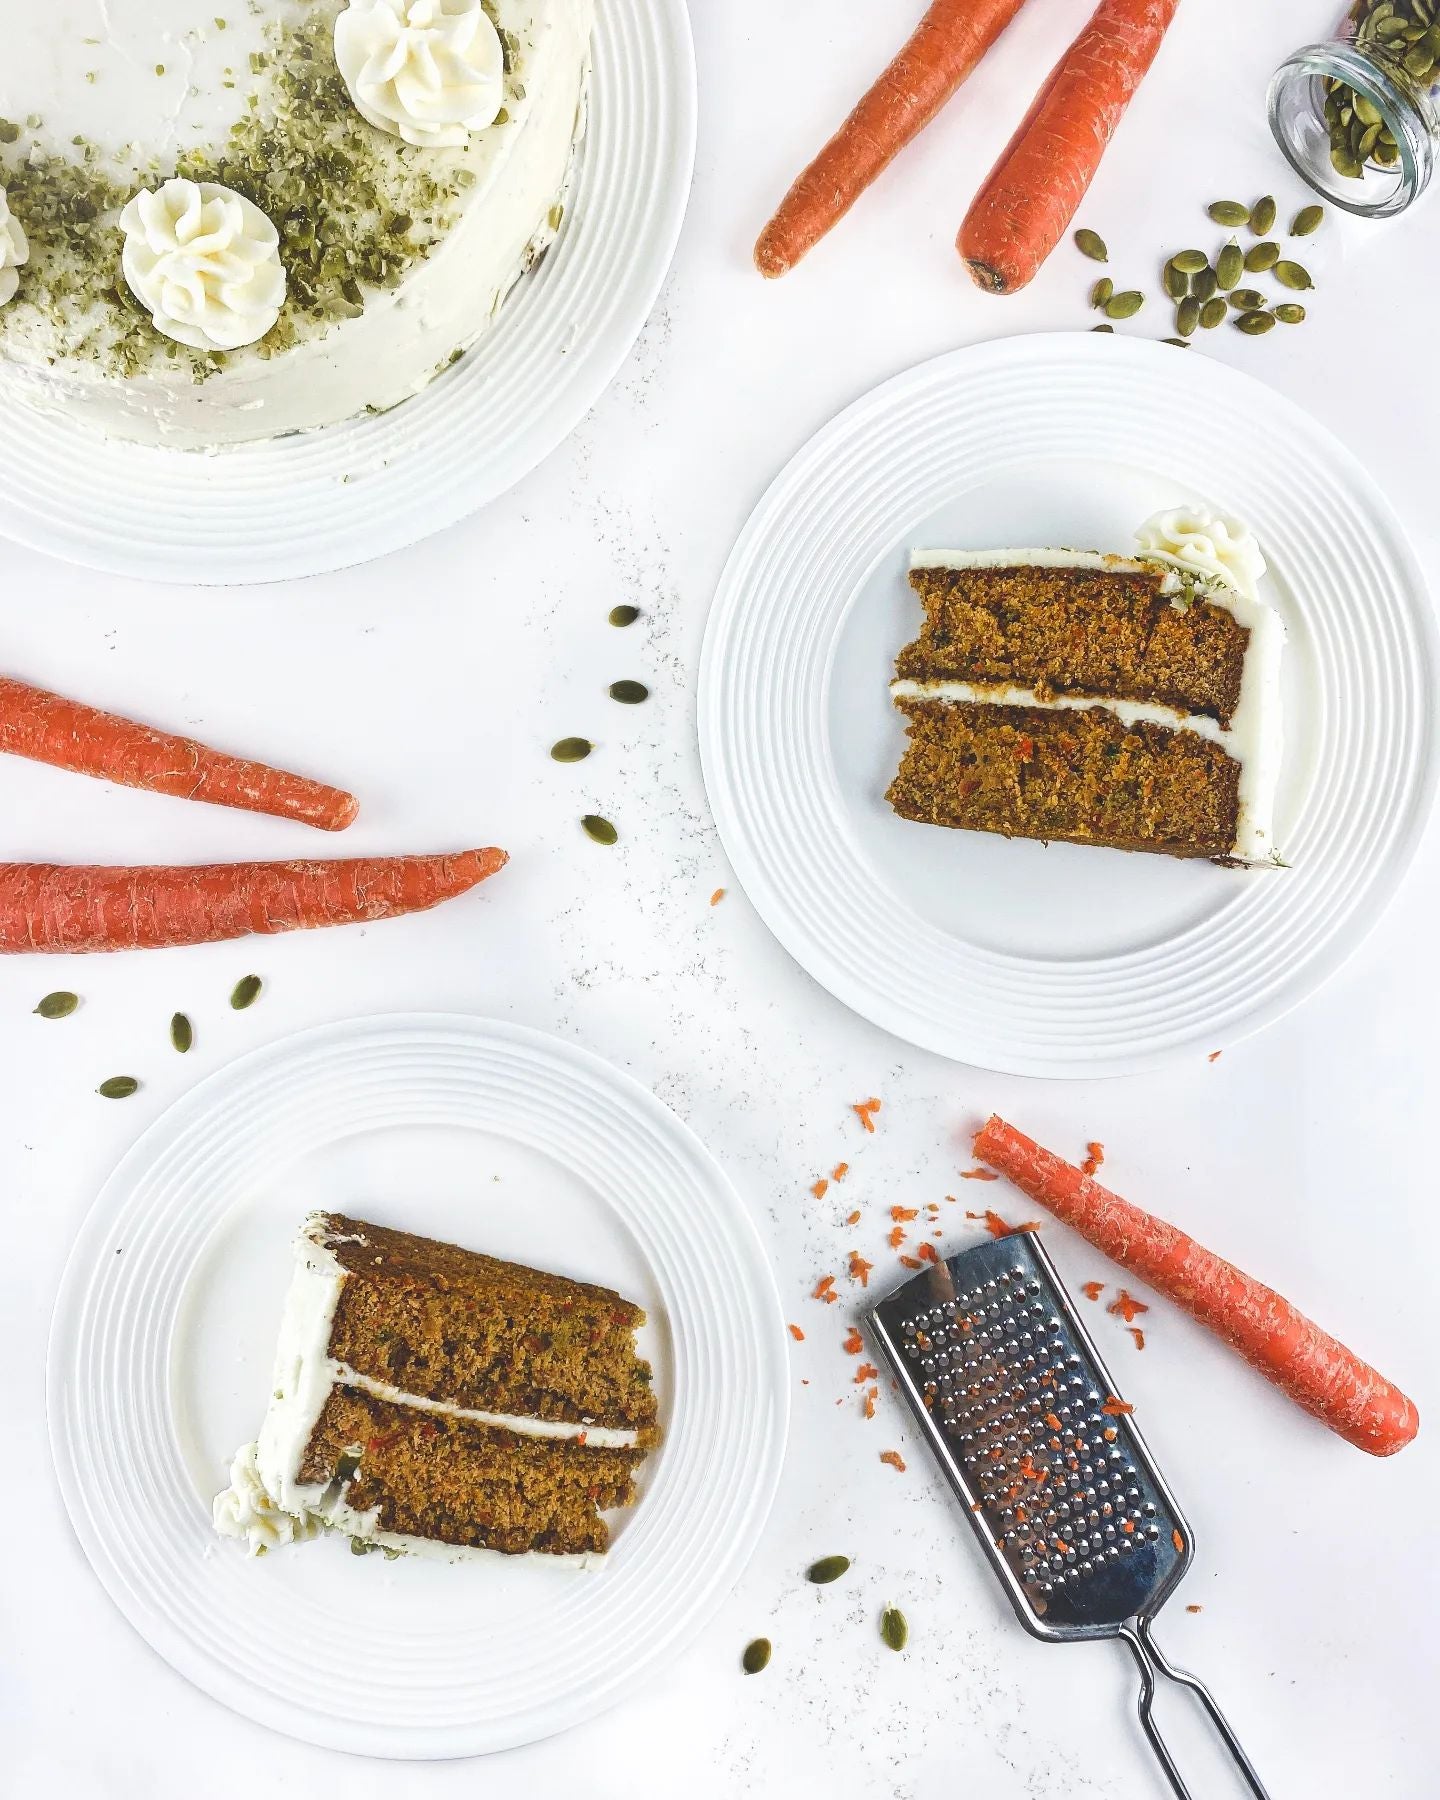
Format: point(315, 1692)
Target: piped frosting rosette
point(204, 262)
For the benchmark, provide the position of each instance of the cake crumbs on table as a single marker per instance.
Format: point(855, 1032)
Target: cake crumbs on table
point(1095, 1155)
point(1125, 1306)
point(1092, 1290)
point(865, 1111)
point(894, 1459)
point(796, 1333)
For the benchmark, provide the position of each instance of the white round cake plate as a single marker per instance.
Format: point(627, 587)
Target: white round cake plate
point(483, 1134)
point(1060, 960)
point(323, 500)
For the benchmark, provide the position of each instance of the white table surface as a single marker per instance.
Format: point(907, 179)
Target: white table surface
point(433, 682)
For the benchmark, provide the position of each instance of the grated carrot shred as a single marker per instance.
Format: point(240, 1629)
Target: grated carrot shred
point(895, 1460)
point(796, 1333)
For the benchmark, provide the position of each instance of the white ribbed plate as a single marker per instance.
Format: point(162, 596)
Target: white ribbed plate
point(1060, 960)
point(488, 1135)
point(327, 499)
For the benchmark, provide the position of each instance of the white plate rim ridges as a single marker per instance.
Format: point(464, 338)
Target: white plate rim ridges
point(852, 494)
point(121, 1468)
point(325, 500)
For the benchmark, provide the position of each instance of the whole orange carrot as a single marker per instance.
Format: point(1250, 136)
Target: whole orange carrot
point(1313, 1368)
point(943, 50)
point(1032, 193)
point(51, 906)
point(48, 728)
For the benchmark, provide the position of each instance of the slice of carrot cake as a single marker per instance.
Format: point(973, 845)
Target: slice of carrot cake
point(1132, 702)
point(427, 1396)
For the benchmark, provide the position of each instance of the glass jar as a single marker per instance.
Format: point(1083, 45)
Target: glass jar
point(1359, 117)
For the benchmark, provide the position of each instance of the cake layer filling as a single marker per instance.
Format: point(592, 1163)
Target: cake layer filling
point(1077, 774)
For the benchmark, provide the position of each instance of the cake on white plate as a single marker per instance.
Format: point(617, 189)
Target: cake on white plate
point(224, 220)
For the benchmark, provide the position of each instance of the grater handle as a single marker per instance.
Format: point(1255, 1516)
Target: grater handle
point(1149, 1656)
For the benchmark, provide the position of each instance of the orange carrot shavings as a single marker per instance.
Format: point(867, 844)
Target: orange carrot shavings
point(860, 1269)
point(896, 1236)
point(1125, 1306)
point(927, 1253)
point(866, 1372)
point(1115, 1408)
point(870, 1400)
point(840, 1171)
point(853, 1218)
point(796, 1333)
point(1127, 1525)
point(717, 896)
point(976, 1175)
point(1198, 1608)
point(911, 1262)
point(865, 1111)
point(903, 1214)
point(1093, 1161)
point(1138, 1335)
point(998, 1227)
point(825, 1290)
point(1092, 1290)
point(1214, 1056)
point(895, 1460)
point(1052, 1420)
point(1178, 1541)
point(820, 1188)
point(853, 1344)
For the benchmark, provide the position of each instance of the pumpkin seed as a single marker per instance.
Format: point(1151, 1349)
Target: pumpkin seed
point(1175, 281)
point(893, 1628)
point(828, 1569)
point(1366, 111)
point(572, 749)
point(1229, 267)
point(1091, 244)
point(182, 1033)
point(1124, 305)
point(1179, 342)
point(1102, 328)
point(1213, 313)
point(600, 829)
point(1291, 313)
point(1293, 275)
point(1255, 324)
point(1204, 286)
point(1187, 315)
point(245, 992)
point(1102, 291)
point(118, 1087)
point(1247, 299)
point(756, 1657)
point(1345, 163)
point(1190, 262)
point(1262, 215)
point(1229, 213)
point(1260, 257)
point(629, 693)
point(58, 1005)
point(624, 615)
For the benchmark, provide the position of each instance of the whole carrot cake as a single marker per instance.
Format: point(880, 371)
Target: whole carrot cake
point(429, 1397)
point(1131, 702)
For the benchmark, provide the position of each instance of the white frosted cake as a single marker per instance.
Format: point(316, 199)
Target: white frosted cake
point(224, 222)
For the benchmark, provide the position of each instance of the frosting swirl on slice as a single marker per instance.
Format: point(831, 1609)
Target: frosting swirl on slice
point(1208, 544)
point(204, 262)
point(427, 71)
point(14, 250)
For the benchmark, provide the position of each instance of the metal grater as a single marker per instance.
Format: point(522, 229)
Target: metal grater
point(1069, 1508)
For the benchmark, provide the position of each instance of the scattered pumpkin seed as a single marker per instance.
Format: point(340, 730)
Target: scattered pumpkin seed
point(1102, 290)
point(1102, 328)
point(118, 1087)
point(629, 693)
point(58, 1005)
point(245, 992)
point(1255, 324)
point(1229, 267)
point(1292, 275)
point(182, 1033)
point(1262, 215)
point(1263, 256)
point(893, 1628)
point(624, 615)
point(1291, 313)
point(1205, 286)
point(1187, 315)
point(572, 749)
point(1175, 281)
point(1190, 262)
point(1179, 342)
point(1091, 244)
point(828, 1569)
point(600, 829)
point(1229, 213)
point(756, 1657)
point(1246, 299)
point(1213, 313)
point(1307, 220)
point(1124, 305)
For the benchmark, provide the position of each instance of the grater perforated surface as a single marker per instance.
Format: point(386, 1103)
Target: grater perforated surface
point(1025, 1420)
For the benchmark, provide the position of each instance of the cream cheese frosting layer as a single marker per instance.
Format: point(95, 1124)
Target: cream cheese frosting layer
point(266, 1503)
point(1255, 739)
point(397, 255)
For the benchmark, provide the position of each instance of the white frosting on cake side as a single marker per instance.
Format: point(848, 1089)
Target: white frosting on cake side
point(430, 71)
point(267, 1503)
point(204, 262)
point(14, 250)
point(1255, 738)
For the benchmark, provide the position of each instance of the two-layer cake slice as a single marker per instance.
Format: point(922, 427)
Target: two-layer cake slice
point(426, 1395)
point(1096, 699)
